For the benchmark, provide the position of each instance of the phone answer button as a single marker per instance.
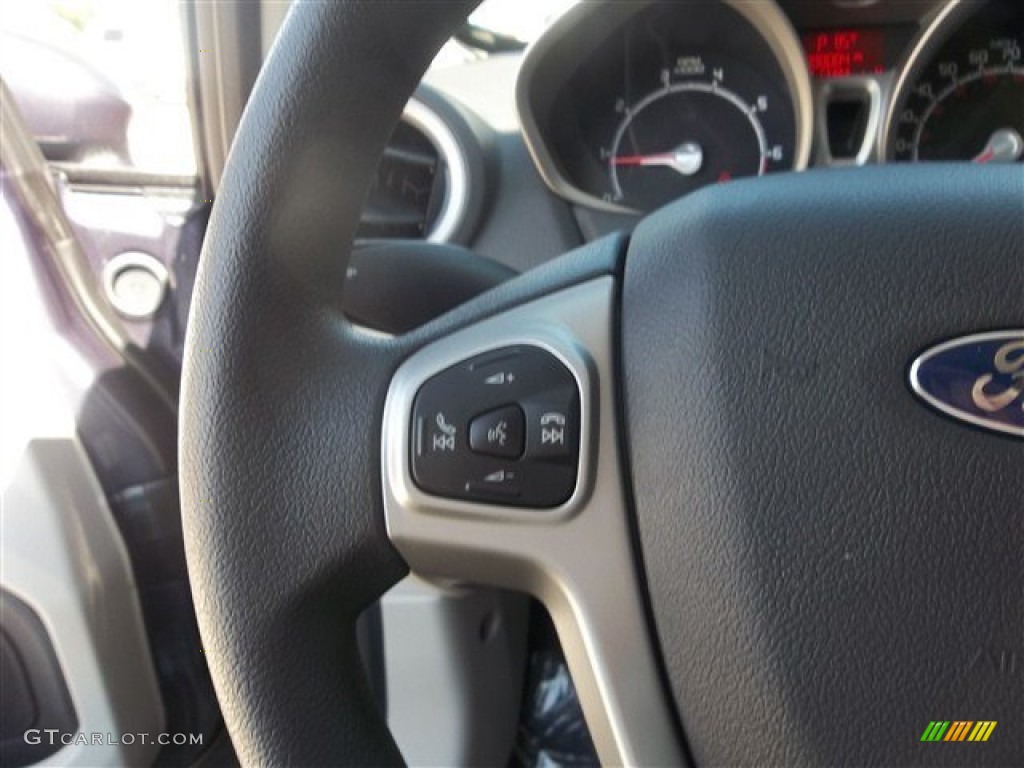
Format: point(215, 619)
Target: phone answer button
point(551, 431)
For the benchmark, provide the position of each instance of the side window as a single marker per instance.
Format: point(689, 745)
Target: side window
point(101, 83)
point(102, 86)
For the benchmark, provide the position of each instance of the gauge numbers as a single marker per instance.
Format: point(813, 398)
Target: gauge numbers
point(702, 125)
point(968, 104)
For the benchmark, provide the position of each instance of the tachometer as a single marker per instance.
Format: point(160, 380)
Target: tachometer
point(627, 106)
point(967, 102)
point(693, 132)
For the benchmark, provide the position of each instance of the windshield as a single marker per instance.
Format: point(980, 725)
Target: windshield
point(101, 82)
point(515, 22)
point(514, 18)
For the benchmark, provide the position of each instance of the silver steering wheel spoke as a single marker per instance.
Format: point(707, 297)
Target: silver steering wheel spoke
point(576, 558)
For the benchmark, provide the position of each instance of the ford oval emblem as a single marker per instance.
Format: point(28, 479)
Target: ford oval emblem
point(978, 379)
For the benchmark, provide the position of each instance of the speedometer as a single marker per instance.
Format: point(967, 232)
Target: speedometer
point(966, 99)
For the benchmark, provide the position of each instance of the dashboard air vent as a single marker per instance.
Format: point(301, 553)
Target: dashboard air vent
point(412, 193)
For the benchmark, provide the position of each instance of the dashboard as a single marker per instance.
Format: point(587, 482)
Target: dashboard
point(627, 106)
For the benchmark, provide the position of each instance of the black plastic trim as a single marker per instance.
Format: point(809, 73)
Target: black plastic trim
point(42, 692)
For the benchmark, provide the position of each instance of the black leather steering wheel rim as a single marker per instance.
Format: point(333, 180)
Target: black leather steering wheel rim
point(277, 612)
point(283, 408)
point(282, 397)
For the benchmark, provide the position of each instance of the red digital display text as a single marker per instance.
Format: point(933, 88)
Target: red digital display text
point(844, 52)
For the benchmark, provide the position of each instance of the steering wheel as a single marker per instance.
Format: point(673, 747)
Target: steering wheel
point(758, 547)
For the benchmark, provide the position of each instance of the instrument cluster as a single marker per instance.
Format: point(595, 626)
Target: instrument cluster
point(628, 106)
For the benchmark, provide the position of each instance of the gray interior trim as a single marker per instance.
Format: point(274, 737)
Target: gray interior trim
point(454, 663)
point(875, 90)
point(63, 555)
point(272, 13)
point(224, 80)
point(578, 558)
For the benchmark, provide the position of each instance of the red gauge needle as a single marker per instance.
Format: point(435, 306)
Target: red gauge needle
point(686, 159)
point(662, 159)
point(1004, 146)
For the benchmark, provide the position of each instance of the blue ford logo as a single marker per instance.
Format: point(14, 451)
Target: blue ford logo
point(978, 379)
